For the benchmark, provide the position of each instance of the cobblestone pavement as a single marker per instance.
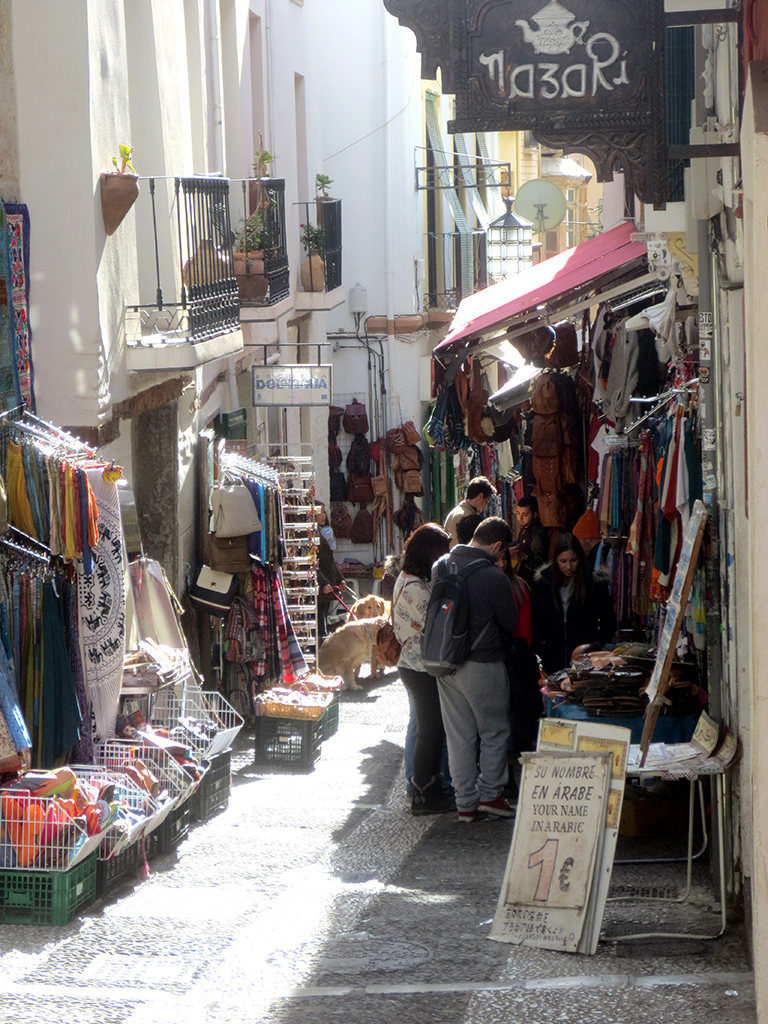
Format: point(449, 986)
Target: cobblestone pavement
point(316, 897)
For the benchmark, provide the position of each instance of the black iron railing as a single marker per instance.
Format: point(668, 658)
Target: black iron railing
point(320, 235)
point(261, 253)
point(208, 288)
point(448, 276)
point(195, 290)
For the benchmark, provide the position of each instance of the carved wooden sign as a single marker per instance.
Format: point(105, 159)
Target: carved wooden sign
point(584, 76)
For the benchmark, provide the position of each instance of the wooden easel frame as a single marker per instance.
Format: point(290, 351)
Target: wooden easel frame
point(659, 684)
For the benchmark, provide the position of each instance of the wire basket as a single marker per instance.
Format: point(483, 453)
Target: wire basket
point(173, 787)
point(136, 807)
point(293, 704)
point(205, 721)
point(40, 833)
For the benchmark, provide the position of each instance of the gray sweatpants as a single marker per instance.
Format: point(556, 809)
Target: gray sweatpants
point(474, 701)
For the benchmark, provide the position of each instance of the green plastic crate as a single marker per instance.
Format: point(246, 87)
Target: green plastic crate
point(46, 897)
point(330, 720)
point(111, 873)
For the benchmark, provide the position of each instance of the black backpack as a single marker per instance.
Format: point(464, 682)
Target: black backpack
point(445, 639)
point(359, 456)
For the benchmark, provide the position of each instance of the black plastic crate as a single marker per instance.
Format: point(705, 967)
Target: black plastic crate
point(330, 719)
point(169, 833)
point(291, 742)
point(47, 897)
point(212, 794)
point(125, 865)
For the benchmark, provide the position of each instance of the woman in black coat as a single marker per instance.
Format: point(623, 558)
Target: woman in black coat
point(569, 606)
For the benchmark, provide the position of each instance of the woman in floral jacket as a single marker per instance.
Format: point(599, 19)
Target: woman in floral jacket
point(409, 606)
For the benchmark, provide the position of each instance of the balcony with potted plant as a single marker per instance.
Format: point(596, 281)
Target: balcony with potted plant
point(320, 237)
point(186, 312)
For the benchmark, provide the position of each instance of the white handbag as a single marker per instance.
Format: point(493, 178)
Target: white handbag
point(234, 511)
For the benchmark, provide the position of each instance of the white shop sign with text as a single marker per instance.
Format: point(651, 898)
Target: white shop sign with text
point(292, 385)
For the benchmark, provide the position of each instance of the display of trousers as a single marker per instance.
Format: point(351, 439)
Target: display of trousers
point(60, 731)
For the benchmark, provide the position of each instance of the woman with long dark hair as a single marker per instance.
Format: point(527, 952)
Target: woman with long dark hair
point(570, 606)
point(409, 606)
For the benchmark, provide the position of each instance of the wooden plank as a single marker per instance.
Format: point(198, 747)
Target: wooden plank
point(678, 599)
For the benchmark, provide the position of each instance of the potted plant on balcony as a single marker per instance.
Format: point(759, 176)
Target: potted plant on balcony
point(312, 267)
point(262, 158)
point(119, 190)
point(248, 255)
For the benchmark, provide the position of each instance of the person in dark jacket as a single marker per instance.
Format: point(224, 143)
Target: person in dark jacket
point(570, 606)
point(328, 573)
point(531, 549)
point(474, 699)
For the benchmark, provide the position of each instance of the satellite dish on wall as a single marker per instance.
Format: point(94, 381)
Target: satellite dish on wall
point(542, 203)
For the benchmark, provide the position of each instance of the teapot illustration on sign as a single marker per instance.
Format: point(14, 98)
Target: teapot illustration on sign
point(555, 34)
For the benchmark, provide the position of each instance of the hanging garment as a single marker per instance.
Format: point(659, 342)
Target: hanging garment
point(17, 217)
point(19, 511)
point(60, 713)
point(10, 395)
point(101, 610)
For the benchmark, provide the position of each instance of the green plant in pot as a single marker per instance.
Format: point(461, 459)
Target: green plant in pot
point(119, 190)
point(257, 197)
point(248, 257)
point(312, 269)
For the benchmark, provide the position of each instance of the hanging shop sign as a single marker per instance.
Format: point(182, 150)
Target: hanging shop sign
point(585, 76)
point(292, 385)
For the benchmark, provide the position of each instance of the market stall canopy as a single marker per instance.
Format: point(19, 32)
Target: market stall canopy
point(610, 263)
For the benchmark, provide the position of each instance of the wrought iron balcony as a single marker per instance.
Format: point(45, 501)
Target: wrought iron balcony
point(321, 243)
point(457, 266)
point(190, 237)
point(260, 251)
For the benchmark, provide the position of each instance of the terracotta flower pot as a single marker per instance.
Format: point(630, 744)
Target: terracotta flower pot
point(313, 272)
point(252, 282)
point(118, 194)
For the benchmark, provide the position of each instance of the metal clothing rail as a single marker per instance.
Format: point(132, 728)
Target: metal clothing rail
point(240, 464)
point(661, 401)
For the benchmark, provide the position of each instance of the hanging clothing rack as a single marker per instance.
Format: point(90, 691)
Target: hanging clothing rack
point(661, 401)
point(241, 464)
point(24, 551)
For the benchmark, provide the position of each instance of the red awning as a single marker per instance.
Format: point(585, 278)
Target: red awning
point(560, 277)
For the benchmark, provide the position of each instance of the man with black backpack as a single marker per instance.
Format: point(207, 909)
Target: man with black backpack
point(470, 617)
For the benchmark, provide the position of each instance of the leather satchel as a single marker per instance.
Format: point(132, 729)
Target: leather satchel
point(213, 591)
point(412, 436)
point(387, 646)
point(234, 511)
point(355, 418)
point(228, 554)
point(395, 440)
point(341, 521)
point(359, 488)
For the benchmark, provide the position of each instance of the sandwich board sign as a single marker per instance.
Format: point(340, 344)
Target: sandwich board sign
point(587, 737)
point(545, 896)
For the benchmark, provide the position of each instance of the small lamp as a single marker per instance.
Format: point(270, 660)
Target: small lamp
point(510, 244)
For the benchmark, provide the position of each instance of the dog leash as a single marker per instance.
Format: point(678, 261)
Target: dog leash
point(341, 601)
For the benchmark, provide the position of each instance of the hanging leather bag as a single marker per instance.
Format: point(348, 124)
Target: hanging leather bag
point(234, 511)
point(341, 521)
point(412, 436)
point(213, 591)
point(359, 488)
point(228, 554)
point(412, 482)
point(355, 418)
point(338, 486)
point(335, 412)
point(362, 527)
point(396, 440)
point(410, 458)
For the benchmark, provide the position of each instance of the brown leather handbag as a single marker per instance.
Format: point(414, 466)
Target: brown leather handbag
point(228, 554)
point(387, 646)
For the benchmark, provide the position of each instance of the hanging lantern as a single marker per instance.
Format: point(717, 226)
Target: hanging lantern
point(510, 244)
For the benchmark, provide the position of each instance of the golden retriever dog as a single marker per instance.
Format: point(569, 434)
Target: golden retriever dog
point(370, 607)
point(348, 648)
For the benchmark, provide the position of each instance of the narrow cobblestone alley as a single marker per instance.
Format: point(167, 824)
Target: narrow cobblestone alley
point(316, 897)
